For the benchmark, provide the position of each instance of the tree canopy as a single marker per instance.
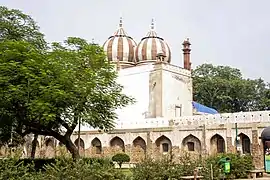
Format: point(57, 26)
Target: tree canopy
point(47, 91)
point(225, 89)
point(15, 25)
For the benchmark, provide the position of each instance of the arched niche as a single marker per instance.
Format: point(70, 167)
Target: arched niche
point(118, 143)
point(96, 145)
point(139, 143)
point(192, 143)
point(217, 144)
point(49, 142)
point(245, 143)
point(164, 144)
point(76, 142)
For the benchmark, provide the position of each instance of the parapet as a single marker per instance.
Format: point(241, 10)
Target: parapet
point(196, 120)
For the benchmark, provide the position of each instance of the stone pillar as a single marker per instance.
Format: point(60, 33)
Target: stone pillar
point(229, 140)
point(230, 147)
point(204, 146)
point(256, 149)
point(148, 145)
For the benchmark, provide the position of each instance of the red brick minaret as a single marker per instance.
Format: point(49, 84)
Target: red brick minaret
point(186, 49)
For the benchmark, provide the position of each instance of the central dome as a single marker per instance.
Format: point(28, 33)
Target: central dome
point(120, 47)
point(150, 46)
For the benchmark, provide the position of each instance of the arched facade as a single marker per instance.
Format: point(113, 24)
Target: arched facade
point(96, 146)
point(217, 144)
point(163, 144)
point(192, 144)
point(118, 144)
point(49, 142)
point(139, 143)
point(245, 143)
point(76, 142)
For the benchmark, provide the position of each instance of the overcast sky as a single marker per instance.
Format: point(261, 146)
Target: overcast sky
point(222, 32)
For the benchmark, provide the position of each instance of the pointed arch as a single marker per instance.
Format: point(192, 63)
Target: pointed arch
point(49, 142)
point(192, 143)
point(139, 142)
point(118, 143)
point(245, 143)
point(164, 144)
point(217, 144)
point(76, 142)
point(96, 145)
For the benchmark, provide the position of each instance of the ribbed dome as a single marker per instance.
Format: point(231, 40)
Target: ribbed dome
point(150, 46)
point(120, 47)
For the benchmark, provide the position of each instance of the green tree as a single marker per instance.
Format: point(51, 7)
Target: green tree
point(224, 88)
point(120, 158)
point(17, 26)
point(48, 92)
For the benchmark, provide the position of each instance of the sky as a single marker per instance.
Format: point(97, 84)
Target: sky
point(222, 32)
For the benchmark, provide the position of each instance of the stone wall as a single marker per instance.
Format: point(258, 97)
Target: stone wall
point(159, 142)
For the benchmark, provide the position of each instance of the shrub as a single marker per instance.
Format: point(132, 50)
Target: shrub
point(120, 158)
point(39, 164)
point(13, 169)
point(240, 164)
point(151, 169)
point(68, 169)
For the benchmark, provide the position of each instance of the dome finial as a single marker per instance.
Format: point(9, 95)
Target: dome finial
point(121, 22)
point(152, 24)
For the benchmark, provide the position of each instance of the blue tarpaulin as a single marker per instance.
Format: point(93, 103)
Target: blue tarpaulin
point(203, 109)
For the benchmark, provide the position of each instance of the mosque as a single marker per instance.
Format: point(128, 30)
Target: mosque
point(165, 119)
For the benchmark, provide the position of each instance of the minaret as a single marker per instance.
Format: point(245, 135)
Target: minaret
point(186, 49)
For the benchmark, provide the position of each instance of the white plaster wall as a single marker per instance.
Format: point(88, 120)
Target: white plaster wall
point(136, 84)
point(176, 92)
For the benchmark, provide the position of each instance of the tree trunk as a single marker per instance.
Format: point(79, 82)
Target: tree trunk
point(72, 148)
point(34, 146)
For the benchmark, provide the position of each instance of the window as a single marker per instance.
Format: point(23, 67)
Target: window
point(190, 146)
point(165, 147)
point(178, 110)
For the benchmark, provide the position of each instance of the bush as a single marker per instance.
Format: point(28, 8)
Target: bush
point(99, 169)
point(240, 164)
point(80, 169)
point(64, 168)
point(39, 164)
point(151, 169)
point(120, 158)
point(13, 169)
point(186, 164)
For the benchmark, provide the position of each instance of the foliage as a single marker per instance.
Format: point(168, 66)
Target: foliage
point(186, 164)
point(120, 158)
point(39, 164)
point(149, 169)
point(11, 169)
point(164, 168)
point(239, 166)
point(60, 169)
point(224, 88)
point(68, 169)
point(47, 92)
point(17, 26)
